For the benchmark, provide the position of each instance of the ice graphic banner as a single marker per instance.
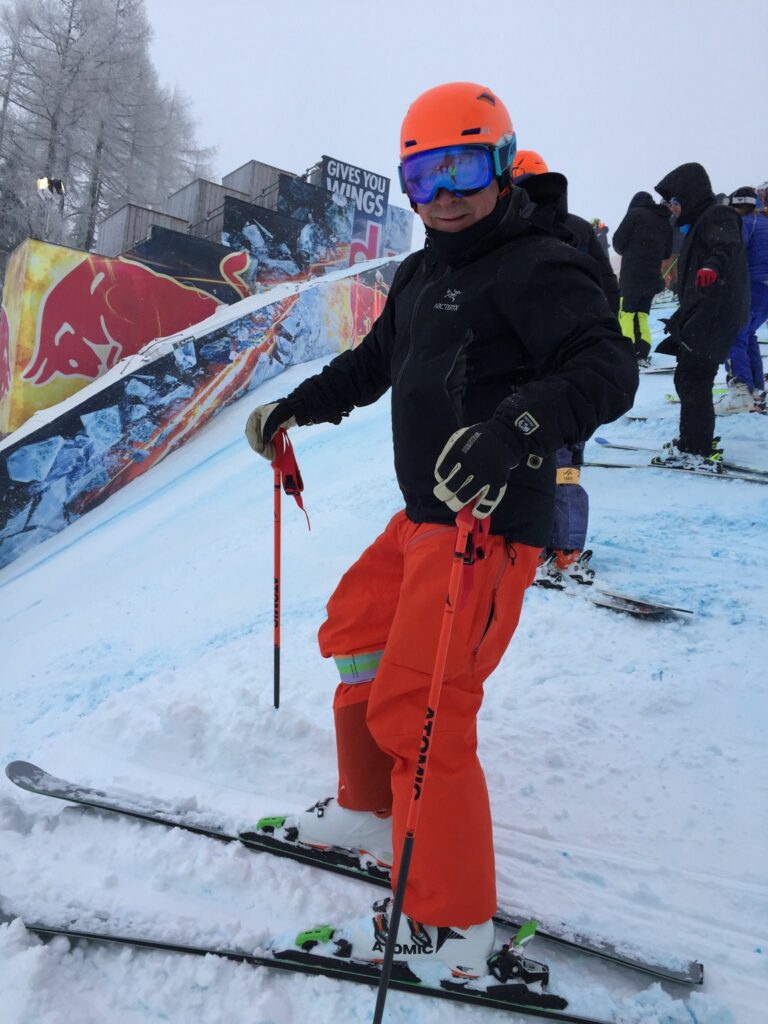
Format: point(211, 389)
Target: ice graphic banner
point(124, 425)
point(369, 192)
point(398, 231)
point(307, 236)
point(328, 222)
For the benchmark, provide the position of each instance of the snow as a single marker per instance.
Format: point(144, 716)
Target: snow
point(625, 759)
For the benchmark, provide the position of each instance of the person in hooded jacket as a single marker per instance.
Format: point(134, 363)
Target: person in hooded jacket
point(713, 288)
point(488, 376)
point(744, 365)
point(644, 241)
point(566, 556)
point(549, 190)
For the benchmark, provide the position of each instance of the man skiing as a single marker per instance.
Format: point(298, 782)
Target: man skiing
point(499, 348)
point(713, 288)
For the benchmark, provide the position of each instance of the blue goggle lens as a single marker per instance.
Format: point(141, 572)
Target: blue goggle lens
point(462, 170)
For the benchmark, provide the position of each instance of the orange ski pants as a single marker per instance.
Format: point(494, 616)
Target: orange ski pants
point(382, 628)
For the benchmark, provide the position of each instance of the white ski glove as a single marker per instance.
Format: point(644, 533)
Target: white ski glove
point(264, 422)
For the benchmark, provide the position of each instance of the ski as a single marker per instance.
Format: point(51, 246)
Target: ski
point(618, 602)
point(632, 599)
point(637, 606)
point(729, 474)
point(514, 997)
point(342, 862)
point(737, 467)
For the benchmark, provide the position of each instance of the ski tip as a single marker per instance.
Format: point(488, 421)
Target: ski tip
point(20, 770)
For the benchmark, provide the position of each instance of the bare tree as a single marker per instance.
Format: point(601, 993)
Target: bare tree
point(80, 102)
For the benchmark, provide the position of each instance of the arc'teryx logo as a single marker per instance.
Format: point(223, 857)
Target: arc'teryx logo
point(451, 305)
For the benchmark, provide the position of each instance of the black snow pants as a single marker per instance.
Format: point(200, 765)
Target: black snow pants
point(694, 377)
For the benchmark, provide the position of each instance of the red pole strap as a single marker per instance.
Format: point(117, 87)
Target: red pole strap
point(286, 465)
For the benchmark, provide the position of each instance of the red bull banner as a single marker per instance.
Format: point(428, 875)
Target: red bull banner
point(68, 317)
point(136, 416)
point(369, 192)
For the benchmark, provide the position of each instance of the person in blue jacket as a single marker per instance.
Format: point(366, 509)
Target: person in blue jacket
point(744, 365)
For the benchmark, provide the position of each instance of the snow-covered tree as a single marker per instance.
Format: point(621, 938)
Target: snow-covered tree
point(80, 102)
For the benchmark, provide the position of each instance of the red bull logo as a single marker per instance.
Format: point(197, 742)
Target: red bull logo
point(106, 309)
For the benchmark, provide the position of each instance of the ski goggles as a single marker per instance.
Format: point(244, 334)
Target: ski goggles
point(462, 170)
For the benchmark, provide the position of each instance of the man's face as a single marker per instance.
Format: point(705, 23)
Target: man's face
point(674, 207)
point(449, 212)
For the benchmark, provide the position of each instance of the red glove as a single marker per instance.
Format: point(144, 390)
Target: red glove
point(706, 277)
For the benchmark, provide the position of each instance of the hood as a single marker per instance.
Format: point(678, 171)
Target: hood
point(690, 185)
point(641, 199)
point(549, 192)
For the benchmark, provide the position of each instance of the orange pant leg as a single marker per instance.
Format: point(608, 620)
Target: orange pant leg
point(360, 614)
point(392, 599)
point(452, 875)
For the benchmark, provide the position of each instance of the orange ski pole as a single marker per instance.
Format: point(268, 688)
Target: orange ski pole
point(278, 524)
point(287, 476)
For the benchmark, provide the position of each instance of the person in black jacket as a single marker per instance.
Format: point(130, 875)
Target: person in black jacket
point(565, 556)
point(549, 190)
point(498, 347)
point(713, 288)
point(643, 240)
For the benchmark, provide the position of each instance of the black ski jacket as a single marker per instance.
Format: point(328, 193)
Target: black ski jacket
point(708, 319)
point(499, 322)
point(549, 192)
point(643, 240)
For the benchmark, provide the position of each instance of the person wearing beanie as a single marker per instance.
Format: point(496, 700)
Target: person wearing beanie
point(713, 287)
point(744, 365)
point(487, 377)
point(644, 241)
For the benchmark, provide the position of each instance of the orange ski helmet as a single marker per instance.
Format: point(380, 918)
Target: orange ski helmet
point(528, 161)
point(459, 114)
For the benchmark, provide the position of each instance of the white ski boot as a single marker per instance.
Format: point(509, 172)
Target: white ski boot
point(464, 951)
point(739, 398)
point(327, 826)
point(675, 458)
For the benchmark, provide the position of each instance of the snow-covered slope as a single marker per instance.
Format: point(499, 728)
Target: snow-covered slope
point(626, 759)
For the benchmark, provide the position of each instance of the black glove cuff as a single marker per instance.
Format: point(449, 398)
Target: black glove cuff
point(279, 415)
point(511, 451)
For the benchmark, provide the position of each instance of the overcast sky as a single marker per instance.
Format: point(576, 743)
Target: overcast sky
point(612, 93)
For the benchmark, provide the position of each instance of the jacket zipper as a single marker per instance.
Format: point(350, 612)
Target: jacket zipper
point(411, 323)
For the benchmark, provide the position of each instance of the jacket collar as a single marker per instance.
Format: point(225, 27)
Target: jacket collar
point(508, 218)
